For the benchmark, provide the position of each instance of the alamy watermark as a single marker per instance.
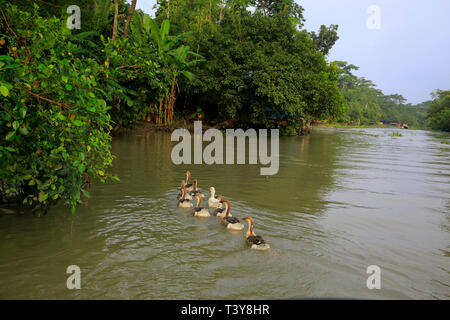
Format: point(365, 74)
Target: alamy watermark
point(74, 20)
point(374, 280)
point(74, 280)
point(214, 152)
point(374, 20)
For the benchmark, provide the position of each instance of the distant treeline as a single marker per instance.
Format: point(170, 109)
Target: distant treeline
point(367, 105)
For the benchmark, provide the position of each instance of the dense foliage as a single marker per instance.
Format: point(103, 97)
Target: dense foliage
point(260, 69)
point(63, 91)
point(438, 115)
point(54, 124)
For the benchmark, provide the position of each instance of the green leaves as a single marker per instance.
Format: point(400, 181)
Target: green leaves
point(47, 132)
point(10, 135)
point(165, 26)
point(86, 193)
point(4, 91)
point(23, 131)
point(438, 114)
point(42, 196)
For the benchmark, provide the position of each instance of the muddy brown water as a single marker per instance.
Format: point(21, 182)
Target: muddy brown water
point(342, 200)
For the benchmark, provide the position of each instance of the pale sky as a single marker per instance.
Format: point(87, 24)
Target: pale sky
point(409, 54)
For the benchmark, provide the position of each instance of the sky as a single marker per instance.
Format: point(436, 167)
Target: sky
point(406, 50)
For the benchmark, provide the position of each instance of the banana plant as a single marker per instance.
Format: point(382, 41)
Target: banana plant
point(174, 59)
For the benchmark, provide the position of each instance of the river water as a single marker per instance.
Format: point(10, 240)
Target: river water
point(343, 199)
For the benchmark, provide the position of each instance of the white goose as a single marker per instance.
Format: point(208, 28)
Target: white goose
point(213, 202)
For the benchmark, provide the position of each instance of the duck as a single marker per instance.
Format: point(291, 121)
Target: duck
point(200, 211)
point(232, 223)
point(183, 202)
point(220, 212)
point(188, 186)
point(180, 194)
point(195, 190)
point(213, 201)
point(253, 241)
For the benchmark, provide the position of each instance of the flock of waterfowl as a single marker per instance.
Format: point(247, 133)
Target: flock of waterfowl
point(190, 191)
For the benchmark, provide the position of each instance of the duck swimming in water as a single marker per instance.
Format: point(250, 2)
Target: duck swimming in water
point(195, 190)
point(199, 211)
point(183, 202)
point(180, 194)
point(213, 201)
point(231, 223)
point(253, 241)
point(188, 186)
point(220, 212)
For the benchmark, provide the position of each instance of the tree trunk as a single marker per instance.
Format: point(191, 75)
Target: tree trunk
point(305, 127)
point(221, 10)
point(116, 13)
point(133, 7)
point(168, 9)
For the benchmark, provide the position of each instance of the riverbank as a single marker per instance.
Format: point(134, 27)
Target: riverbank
point(144, 126)
point(356, 126)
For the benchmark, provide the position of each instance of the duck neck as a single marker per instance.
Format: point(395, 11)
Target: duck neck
point(199, 201)
point(187, 178)
point(227, 211)
point(250, 230)
point(183, 193)
point(213, 192)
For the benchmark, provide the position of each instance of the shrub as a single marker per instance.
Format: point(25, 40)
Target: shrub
point(54, 125)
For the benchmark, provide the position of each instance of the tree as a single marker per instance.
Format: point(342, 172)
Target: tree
point(54, 122)
point(438, 115)
point(326, 38)
point(259, 66)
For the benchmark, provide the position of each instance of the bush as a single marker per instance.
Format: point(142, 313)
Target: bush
point(54, 125)
point(438, 115)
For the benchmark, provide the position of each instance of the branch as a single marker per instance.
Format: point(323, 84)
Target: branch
point(48, 100)
point(9, 27)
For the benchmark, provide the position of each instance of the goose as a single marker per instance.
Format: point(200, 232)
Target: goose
point(232, 223)
point(220, 212)
point(187, 196)
point(253, 241)
point(183, 202)
point(195, 190)
point(199, 211)
point(188, 186)
point(213, 201)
